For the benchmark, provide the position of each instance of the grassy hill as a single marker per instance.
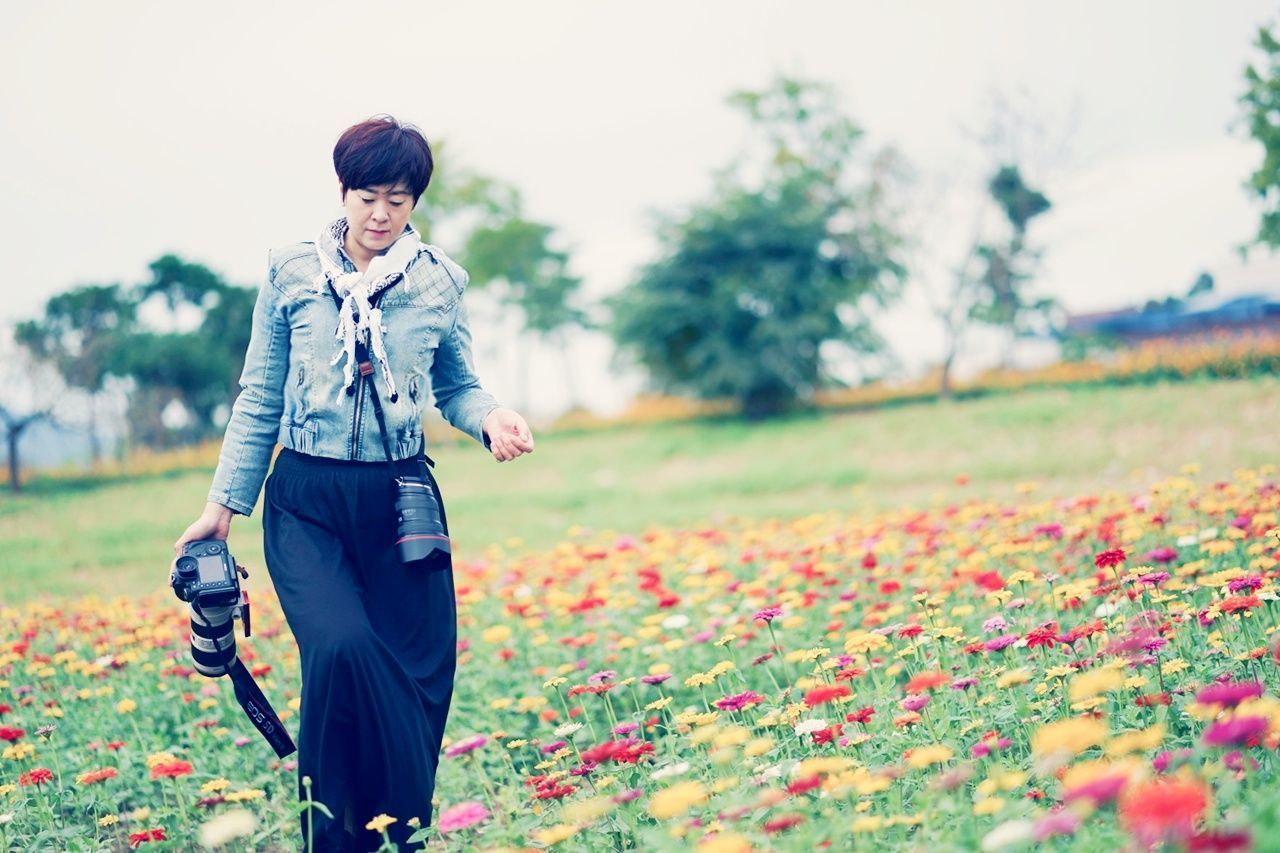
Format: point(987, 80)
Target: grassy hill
point(115, 537)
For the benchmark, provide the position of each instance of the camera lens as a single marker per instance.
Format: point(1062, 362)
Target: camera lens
point(419, 530)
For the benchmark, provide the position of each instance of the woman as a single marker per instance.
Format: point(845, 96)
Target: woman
point(376, 636)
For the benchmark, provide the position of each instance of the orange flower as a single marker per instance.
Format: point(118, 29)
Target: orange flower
point(171, 770)
point(827, 692)
point(927, 681)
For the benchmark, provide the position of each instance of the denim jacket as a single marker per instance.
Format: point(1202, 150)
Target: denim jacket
point(289, 388)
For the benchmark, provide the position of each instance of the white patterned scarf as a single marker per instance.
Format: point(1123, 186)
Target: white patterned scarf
point(357, 318)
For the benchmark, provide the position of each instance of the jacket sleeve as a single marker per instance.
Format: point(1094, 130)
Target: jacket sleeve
point(454, 383)
point(255, 417)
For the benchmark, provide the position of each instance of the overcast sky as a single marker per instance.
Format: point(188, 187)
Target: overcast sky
point(135, 129)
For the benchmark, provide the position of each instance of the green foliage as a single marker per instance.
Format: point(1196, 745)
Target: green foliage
point(754, 283)
point(1007, 267)
point(80, 333)
point(1261, 101)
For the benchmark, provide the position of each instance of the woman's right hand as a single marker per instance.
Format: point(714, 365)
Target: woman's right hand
point(213, 523)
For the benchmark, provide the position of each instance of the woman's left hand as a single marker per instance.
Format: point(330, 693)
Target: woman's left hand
point(509, 435)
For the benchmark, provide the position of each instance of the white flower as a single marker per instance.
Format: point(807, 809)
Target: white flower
point(680, 767)
point(1008, 833)
point(1187, 541)
point(1208, 533)
point(6, 818)
point(1105, 609)
point(227, 827)
point(675, 622)
point(808, 727)
point(567, 729)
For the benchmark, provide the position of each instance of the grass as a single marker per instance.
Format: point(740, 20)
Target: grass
point(69, 539)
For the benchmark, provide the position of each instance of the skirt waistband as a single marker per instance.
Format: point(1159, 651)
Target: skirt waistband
point(291, 461)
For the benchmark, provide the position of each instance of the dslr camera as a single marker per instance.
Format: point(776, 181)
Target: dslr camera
point(207, 577)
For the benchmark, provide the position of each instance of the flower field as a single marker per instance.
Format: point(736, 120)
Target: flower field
point(1094, 673)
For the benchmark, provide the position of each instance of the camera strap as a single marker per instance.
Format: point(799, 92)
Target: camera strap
point(365, 365)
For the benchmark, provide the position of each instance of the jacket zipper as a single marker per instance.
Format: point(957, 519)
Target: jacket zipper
point(355, 419)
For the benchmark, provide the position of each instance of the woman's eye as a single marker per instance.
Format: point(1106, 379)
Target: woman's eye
point(396, 203)
point(367, 200)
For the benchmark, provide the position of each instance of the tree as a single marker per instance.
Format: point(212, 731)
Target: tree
point(30, 393)
point(1006, 267)
point(1261, 101)
point(795, 247)
point(513, 255)
point(80, 334)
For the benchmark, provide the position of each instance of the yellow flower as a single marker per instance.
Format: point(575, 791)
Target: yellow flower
point(1014, 677)
point(496, 634)
point(108, 820)
point(759, 746)
point(1174, 666)
point(725, 842)
point(585, 811)
point(380, 823)
point(676, 800)
point(245, 795)
point(126, 706)
point(698, 679)
point(1090, 684)
point(5, 790)
point(658, 704)
point(1142, 740)
point(140, 814)
point(555, 834)
point(214, 785)
point(989, 806)
point(1072, 736)
point(19, 751)
point(924, 756)
point(867, 823)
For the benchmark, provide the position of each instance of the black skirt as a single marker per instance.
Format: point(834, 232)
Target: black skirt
point(377, 640)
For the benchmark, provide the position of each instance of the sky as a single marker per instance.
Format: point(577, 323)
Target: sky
point(135, 129)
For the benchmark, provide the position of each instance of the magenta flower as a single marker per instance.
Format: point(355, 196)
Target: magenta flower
point(915, 703)
point(995, 623)
point(462, 816)
point(1245, 584)
point(768, 614)
point(1163, 554)
point(1153, 578)
point(1063, 822)
point(1000, 643)
point(1240, 730)
point(466, 745)
point(1099, 791)
point(627, 796)
point(1229, 694)
point(738, 701)
point(655, 679)
point(601, 676)
point(625, 728)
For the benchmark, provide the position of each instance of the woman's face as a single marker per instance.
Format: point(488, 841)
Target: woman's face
point(376, 216)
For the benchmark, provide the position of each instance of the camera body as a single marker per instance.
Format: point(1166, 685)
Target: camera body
point(421, 532)
point(207, 573)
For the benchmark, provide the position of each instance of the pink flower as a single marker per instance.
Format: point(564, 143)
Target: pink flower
point(915, 703)
point(462, 816)
point(1229, 693)
point(1237, 731)
point(738, 701)
point(1001, 642)
point(768, 614)
point(1063, 822)
point(466, 745)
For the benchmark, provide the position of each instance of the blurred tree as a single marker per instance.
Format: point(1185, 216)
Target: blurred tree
point(30, 392)
point(513, 256)
point(795, 247)
point(1261, 101)
point(506, 254)
point(1006, 267)
point(79, 335)
point(198, 368)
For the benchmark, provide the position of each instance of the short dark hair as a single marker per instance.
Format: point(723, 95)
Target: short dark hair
point(381, 150)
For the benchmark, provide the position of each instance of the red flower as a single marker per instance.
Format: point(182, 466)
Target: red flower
point(1046, 635)
point(1239, 602)
point(1163, 810)
point(828, 734)
point(37, 776)
point(10, 733)
point(171, 770)
point(1107, 559)
point(808, 783)
point(821, 695)
point(778, 824)
point(862, 715)
point(138, 838)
